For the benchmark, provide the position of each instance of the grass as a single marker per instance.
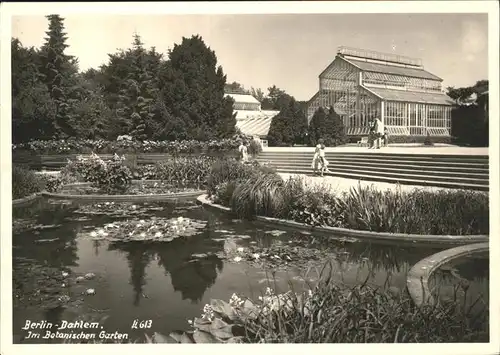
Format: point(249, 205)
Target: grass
point(445, 212)
point(25, 182)
point(365, 314)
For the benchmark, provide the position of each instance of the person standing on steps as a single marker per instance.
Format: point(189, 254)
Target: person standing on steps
point(371, 135)
point(379, 132)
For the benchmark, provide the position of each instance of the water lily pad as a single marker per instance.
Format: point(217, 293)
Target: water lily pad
point(242, 236)
point(154, 229)
point(223, 231)
point(276, 232)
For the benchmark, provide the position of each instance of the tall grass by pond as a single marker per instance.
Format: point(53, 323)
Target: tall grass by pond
point(445, 212)
point(333, 313)
point(25, 182)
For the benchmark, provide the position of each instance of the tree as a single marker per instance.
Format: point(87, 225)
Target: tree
point(194, 93)
point(258, 94)
point(137, 92)
point(334, 129)
point(289, 126)
point(58, 70)
point(317, 125)
point(276, 99)
point(235, 88)
point(33, 111)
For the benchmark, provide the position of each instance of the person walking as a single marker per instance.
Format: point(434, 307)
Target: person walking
point(243, 150)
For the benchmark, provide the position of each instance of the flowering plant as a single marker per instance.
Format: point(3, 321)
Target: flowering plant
point(125, 144)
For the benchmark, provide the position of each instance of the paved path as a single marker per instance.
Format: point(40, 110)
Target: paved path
point(338, 184)
point(394, 149)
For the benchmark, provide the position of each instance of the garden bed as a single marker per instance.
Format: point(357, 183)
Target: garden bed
point(351, 235)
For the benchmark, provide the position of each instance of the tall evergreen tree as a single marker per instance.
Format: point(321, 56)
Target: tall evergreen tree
point(194, 92)
point(138, 91)
point(327, 125)
point(289, 126)
point(58, 70)
point(317, 126)
point(33, 111)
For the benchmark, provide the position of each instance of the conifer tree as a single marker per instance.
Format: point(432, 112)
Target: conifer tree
point(57, 69)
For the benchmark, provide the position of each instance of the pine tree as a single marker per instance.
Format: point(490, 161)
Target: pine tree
point(289, 126)
point(33, 111)
point(194, 92)
point(138, 91)
point(57, 69)
point(317, 126)
point(334, 129)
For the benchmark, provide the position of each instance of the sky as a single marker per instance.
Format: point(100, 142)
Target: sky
point(286, 50)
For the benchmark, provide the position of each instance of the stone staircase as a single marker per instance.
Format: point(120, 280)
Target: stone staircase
point(440, 170)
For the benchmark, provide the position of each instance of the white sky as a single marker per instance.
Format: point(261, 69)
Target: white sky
point(288, 50)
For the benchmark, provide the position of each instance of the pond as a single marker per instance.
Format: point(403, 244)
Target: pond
point(464, 281)
point(63, 272)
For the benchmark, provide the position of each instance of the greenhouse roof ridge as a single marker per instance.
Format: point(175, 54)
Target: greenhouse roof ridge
point(379, 56)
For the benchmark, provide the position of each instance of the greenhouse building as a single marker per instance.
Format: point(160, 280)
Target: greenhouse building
point(361, 85)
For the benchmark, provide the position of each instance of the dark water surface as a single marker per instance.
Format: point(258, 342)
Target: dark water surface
point(162, 282)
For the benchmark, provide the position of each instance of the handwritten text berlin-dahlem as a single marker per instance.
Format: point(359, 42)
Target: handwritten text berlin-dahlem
point(64, 325)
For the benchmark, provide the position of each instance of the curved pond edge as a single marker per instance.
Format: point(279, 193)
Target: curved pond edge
point(417, 279)
point(125, 198)
point(20, 202)
point(354, 235)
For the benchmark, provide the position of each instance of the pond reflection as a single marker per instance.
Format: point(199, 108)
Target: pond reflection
point(169, 282)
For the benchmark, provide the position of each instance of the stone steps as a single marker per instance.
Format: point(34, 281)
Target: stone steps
point(447, 171)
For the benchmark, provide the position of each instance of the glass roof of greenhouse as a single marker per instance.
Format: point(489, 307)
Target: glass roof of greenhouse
point(256, 124)
point(411, 96)
point(393, 69)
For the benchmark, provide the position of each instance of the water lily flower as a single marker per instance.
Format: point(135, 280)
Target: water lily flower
point(237, 259)
point(89, 275)
point(180, 219)
point(138, 225)
point(101, 232)
point(93, 234)
point(107, 203)
point(158, 234)
point(240, 249)
point(63, 285)
point(133, 207)
point(65, 274)
point(142, 221)
point(190, 322)
point(256, 256)
point(90, 291)
point(310, 293)
point(143, 235)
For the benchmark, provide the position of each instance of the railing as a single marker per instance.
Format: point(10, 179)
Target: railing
point(386, 57)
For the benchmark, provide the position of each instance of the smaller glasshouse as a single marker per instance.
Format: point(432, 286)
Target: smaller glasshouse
point(361, 85)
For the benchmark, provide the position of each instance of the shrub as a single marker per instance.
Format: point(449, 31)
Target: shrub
point(224, 193)
point(254, 148)
point(315, 206)
point(25, 182)
point(259, 195)
point(108, 176)
point(333, 313)
point(123, 146)
point(225, 170)
point(370, 209)
point(182, 172)
point(428, 141)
